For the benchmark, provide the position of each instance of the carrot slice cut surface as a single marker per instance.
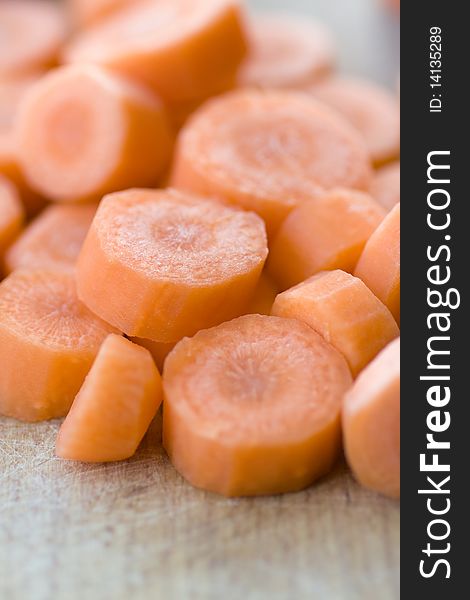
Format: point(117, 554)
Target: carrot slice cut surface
point(161, 264)
point(286, 52)
point(48, 341)
point(323, 234)
point(11, 215)
point(83, 132)
point(371, 423)
point(379, 264)
point(252, 406)
point(267, 152)
point(344, 311)
point(115, 405)
point(385, 186)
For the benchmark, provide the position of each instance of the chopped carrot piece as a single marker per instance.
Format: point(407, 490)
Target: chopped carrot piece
point(379, 264)
point(161, 264)
point(32, 33)
point(182, 50)
point(253, 406)
point(371, 423)
point(286, 52)
point(48, 341)
point(268, 152)
point(343, 310)
point(115, 405)
point(385, 186)
point(371, 109)
point(158, 350)
point(87, 12)
point(11, 215)
point(54, 238)
point(264, 296)
point(83, 132)
point(323, 234)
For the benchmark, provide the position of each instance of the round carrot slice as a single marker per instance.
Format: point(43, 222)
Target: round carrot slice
point(183, 50)
point(268, 151)
point(83, 132)
point(385, 186)
point(252, 406)
point(31, 34)
point(343, 310)
point(379, 264)
point(371, 423)
point(372, 110)
point(158, 350)
point(286, 52)
point(323, 234)
point(115, 405)
point(48, 341)
point(11, 214)
point(52, 239)
point(161, 264)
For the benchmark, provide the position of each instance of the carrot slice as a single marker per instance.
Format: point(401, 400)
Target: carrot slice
point(11, 215)
point(343, 310)
point(83, 132)
point(253, 406)
point(371, 423)
point(158, 350)
point(264, 296)
point(52, 239)
point(31, 35)
point(12, 91)
point(379, 264)
point(385, 186)
point(115, 405)
point(48, 341)
point(267, 152)
point(286, 52)
point(323, 234)
point(183, 50)
point(161, 264)
point(371, 109)
point(87, 12)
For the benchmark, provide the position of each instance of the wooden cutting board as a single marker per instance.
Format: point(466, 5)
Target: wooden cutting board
point(136, 530)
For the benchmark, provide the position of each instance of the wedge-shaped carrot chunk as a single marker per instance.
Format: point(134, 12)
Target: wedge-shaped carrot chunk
point(161, 264)
point(344, 311)
point(371, 423)
point(371, 109)
point(83, 132)
point(267, 152)
point(11, 215)
point(286, 52)
point(115, 405)
point(253, 406)
point(379, 264)
point(323, 234)
point(32, 33)
point(48, 341)
point(385, 186)
point(54, 238)
point(182, 49)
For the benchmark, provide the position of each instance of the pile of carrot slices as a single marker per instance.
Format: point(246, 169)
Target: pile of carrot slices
point(196, 211)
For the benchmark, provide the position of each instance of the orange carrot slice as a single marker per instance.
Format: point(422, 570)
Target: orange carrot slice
point(267, 152)
point(286, 52)
point(31, 34)
point(182, 49)
point(11, 215)
point(48, 341)
point(323, 234)
point(83, 132)
point(158, 350)
point(385, 186)
point(264, 296)
point(115, 405)
point(161, 264)
point(12, 90)
point(372, 110)
point(253, 406)
point(87, 12)
point(52, 239)
point(344, 311)
point(379, 264)
point(371, 423)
